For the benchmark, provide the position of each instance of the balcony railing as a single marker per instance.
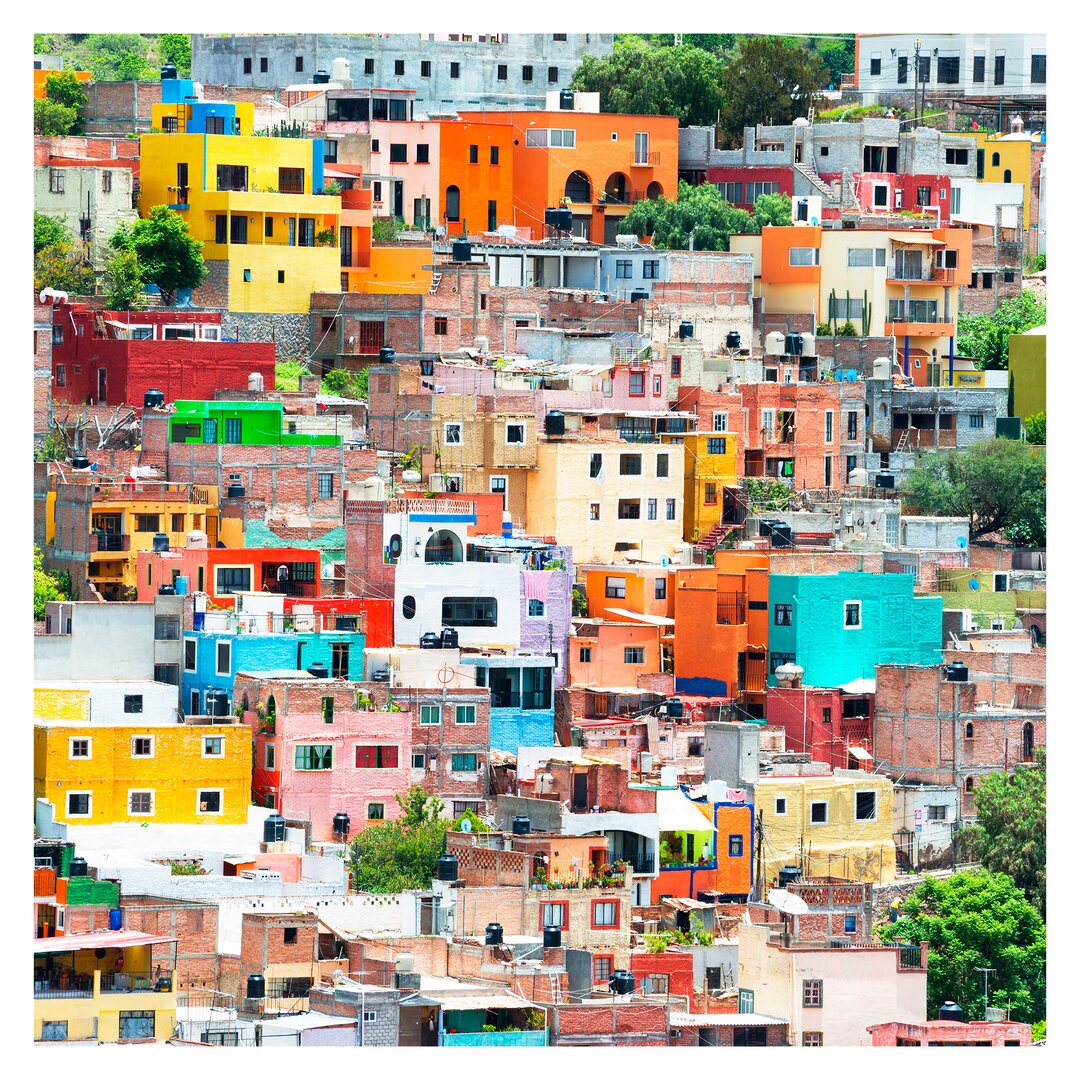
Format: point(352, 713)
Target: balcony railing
point(909, 958)
point(102, 541)
point(642, 864)
point(730, 608)
point(495, 1038)
point(530, 699)
point(65, 986)
point(946, 275)
point(134, 982)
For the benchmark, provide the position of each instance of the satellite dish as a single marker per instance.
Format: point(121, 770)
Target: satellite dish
point(973, 584)
point(814, 221)
point(961, 542)
point(664, 560)
point(466, 825)
point(787, 902)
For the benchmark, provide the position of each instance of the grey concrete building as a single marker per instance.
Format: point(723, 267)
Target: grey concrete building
point(732, 753)
point(448, 71)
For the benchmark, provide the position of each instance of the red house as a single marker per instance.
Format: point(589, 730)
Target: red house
point(828, 723)
point(114, 357)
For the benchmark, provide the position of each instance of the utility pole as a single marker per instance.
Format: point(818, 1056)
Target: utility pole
point(986, 973)
point(918, 69)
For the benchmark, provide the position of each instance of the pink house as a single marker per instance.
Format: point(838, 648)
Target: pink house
point(951, 1033)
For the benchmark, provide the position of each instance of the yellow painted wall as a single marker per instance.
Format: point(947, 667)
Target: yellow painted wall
point(71, 705)
point(856, 280)
point(393, 270)
point(1015, 155)
point(700, 468)
point(868, 845)
point(173, 772)
point(306, 270)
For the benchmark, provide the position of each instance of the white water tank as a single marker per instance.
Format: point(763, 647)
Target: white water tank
point(482, 344)
point(545, 783)
point(789, 675)
point(339, 70)
point(404, 962)
point(669, 776)
point(410, 476)
point(255, 382)
point(196, 539)
point(373, 489)
point(684, 554)
point(858, 478)
point(809, 345)
point(882, 369)
point(774, 344)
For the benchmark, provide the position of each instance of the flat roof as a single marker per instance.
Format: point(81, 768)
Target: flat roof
point(101, 939)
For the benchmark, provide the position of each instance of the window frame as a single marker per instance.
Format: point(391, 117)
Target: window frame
point(519, 425)
point(786, 610)
point(219, 644)
point(220, 740)
point(309, 746)
point(141, 813)
point(428, 711)
point(594, 925)
point(563, 907)
point(467, 711)
point(455, 758)
point(844, 608)
point(88, 756)
point(777, 812)
point(384, 752)
point(68, 812)
point(634, 654)
point(865, 791)
point(810, 814)
point(139, 738)
point(813, 993)
point(200, 792)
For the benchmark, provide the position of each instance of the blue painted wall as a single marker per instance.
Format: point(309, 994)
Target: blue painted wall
point(514, 728)
point(200, 110)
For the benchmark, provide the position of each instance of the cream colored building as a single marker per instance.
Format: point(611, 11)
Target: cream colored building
point(610, 500)
point(85, 194)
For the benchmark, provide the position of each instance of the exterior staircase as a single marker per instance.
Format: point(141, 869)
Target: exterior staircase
point(815, 181)
point(435, 279)
point(717, 535)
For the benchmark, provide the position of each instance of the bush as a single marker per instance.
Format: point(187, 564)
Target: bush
point(1035, 426)
point(287, 375)
point(823, 330)
point(64, 268)
point(123, 282)
point(847, 330)
point(1034, 264)
point(51, 232)
point(384, 230)
point(52, 118)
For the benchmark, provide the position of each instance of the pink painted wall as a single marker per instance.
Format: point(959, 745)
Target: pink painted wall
point(421, 180)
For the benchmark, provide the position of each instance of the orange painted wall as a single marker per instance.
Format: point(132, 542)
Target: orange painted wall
point(540, 173)
point(478, 183)
point(608, 666)
point(960, 239)
point(394, 270)
point(40, 76)
point(640, 592)
point(731, 874)
point(776, 242)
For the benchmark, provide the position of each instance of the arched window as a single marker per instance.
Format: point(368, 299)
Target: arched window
point(408, 606)
point(443, 546)
point(1007, 176)
point(271, 708)
point(1029, 741)
point(654, 191)
point(969, 731)
point(244, 702)
point(617, 188)
point(969, 784)
point(453, 203)
point(578, 188)
point(995, 159)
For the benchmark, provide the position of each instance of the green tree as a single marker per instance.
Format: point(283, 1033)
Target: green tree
point(287, 375)
point(176, 49)
point(384, 230)
point(770, 83)
point(998, 485)
point(342, 383)
point(650, 80)
point(51, 118)
point(66, 90)
point(417, 807)
point(986, 337)
point(1035, 426)
point(393, 856)
point(118, 57)
point(51, 232)
point(701, 209)
point(124, 282)
point(977, 919)
point(47, 587)
point(63, 267)
point(1009, 834)
point(772, 210)
point(838, 56)
point(168, 255)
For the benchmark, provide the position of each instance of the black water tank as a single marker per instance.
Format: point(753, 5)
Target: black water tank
point(951, 1011)
point(674, 708)
point(168, 71)
point(166, 590)
point(552, 937)
point(461, 251)
point(734, 339)
point(234, 491)
point(554, 423)
point(161, 541)
point(217, 703)
point(256, 987)
point(956, 672)
point(341, 824)
point(493, 933)
point(639, 294)
point(793, 344)
point(386, 354)
point(80, 461)
point(686, 329)
point(153, 399)
point(788, 874)
point(566, 99)
point(320, 77)
point(430, 640)
point(559, 217)
point(273, 829)
point(449, 639)
point(319, 670)
point(78, 868)
point(521, 826)
point(884, 480)
point(621, 982)
point(447, 869)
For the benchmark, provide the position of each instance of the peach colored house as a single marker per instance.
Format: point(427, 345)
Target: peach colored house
point(610, 654)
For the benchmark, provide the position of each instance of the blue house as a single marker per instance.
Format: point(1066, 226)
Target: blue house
point(522, 702)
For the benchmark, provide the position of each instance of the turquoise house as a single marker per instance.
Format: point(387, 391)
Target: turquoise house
point(839, 627)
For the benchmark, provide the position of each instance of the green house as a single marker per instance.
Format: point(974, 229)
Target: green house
point(244, 423)
point(839, 627)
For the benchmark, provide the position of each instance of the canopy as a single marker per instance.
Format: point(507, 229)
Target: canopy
point(915, 238)
point(860, 754)
point(636, 616)
point(675, 812)
point(103, 939)
point(860, 686)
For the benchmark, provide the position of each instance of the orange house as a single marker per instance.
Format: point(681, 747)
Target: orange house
point(722, 628)
point(476, 176)
point(615, 655)
point(40, 75)
point(602, 162)
point(724, 866)
point(638, 588)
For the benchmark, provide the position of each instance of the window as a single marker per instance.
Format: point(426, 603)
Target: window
point(137, 1025)
point(234, 430)
point(465, 714)
point(270, 756)
point(264, 64)
point(376, 757)
point(328, 708)
point(313, 757)
point(669, 509)
point(535, 609)
point(441, 330)
point(956, 157)
point(634, 655)
point(79, 803)
point(948, 67)
point(866, 806)
point(425, 69)
point(845, 308)
point(213, 746)
point(710, 494)
point(969, 784)
point(232, 178)
point(526, 73)
point(819, 812)
point(730, 192)
point(326, 485)
point(61, 376)
point(209, 801)
point(585, 655)
point(978, 68)
point(812, 1038)
point(935, 813)
point(852, 614)
point(804, 256)
point(79, 748)
point(594, 511)
point(782, 614)
point(369, 65)
point(602, 968)
point(553, 74)
point(975, 420)
point(299, 63)
point(629, 464)
point(650, 268)
point(852, 425)
point(999, 68)
point(781, 807)
point(493, 155)
point(470, 611)
point(147, 523)
point(502, 71)
point(811, 993)
point(190, 647)
point(1009, 276)
point(735, 846)
point(615, 588)
point(605, 914)
point(637, 383)
point(515, 434)
point(969, 730)
point(106, 181)
point(223, 658)
point(875, 63)
point(715, 446)
point(418, 761)
point(140, 802)
point(828, 426)
point(922, 196)
point(650, 509)
point(746, 1001)
point(1038, 67)
point(56, 182)
point(779, 659)
point(624, 268)
point(661, 465)
point(826, 715)
point(54, 1030)
point(399, 152)
point(133, 703)
point(554, 915)
point(463, 763)
point(923, 74)
point(142, 746)
point(676, 367)
point(596, 464)
point(641, 148)
point(474, 154)
point(629, 509)
point(901, 69)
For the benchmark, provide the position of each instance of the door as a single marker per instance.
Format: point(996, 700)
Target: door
point(340, 662)
point(398, 205)
point(102, 387)
point(493, 215)
point(422, 213)
point(580, 794)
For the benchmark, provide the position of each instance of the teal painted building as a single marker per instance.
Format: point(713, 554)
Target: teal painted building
point(839, 627)
point(243, 423)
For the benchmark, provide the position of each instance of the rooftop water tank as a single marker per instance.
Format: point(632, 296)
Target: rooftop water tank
point(161, 542)
point(339, 70)
point(559, 217)
point(79, 460)
point(167, 589)
point(256, 987)
point(181, 585)
point(320, 77)
point(809, 345)
point(774, 344)
point(555, 423)
point(78, 868)
point(493, 934)
point(552, 937)
point(319, 670)
point(404, 962)
point(951, 1011)
point(788, 874)
point(273, 829)
point(430, 640)
point(858, 477)
point(884, 480)
point(882, 369)
point(521, 826)
point(386, 354)
point(449, 637)
point(734, 339)
point(686, 329)
point(674, 708)
point(196, 539)
point(373, 489)
point(217, 703)
point(621, 982)
point(461, 251)
point(341, 824)
point(956, 672)
point(235, 491)
point(566, 99)
point(116, 919)
point(447, 868)
point(410, 476)
point(168, 71)
point(255, 382)
point(669, 776)
point(482, 344)
point(153, 399)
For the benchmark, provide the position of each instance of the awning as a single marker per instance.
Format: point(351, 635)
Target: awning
point(860, 686)
point(675, 812)
point(476, 1001)
point(859, 753)
point(636, 616)
point(700, 1020)
point(103, 939)
point(916, 238)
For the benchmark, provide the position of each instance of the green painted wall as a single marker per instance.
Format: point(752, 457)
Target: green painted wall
point(261, 424)
point(331, 545)
point(1027, 374)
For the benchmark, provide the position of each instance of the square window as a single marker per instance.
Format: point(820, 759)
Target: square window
point(715, 446)
point(213, 746)
point(418, 761)
point(554, 915)
point(615, 588)
point(782, 614)
point(133, 703)
point(452, 434)
point(605, 914)
point(637, 383)
point(812, 1038)
point(634, 655)
point(465, 714)
point(735, 846)
point(819, 812)
point(585, 654)
point(781, 807)
point(441, 327)
point(463, 763)
point(515, 434)
point(79, 803)
point(812, 993)
point(140, 802)
point(852, 614)
point(630, 465)
point(629, 509)
point(142, 746)
point(79, 748)
point(430, 715)
point(376, 811)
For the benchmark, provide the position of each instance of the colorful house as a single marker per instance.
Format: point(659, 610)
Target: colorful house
point(712, 463)
point(41, 74)
point(269, 234)
point(838, 627)
point(1004, 159)
point(522, 701)
point(247, 423)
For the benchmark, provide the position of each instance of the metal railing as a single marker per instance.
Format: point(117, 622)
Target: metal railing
point(730, 608)
point(65, 986)
point(134, 982)
point(530, 699)
point(110, 541)
point(642, 864)
point(909, 957)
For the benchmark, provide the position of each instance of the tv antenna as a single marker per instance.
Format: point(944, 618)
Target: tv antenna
point(986, 973)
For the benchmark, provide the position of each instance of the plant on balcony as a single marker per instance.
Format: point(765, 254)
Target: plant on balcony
point(331, 187)
point(490, 1029)
point(671, 850)
point(324, 238)
point(658, 943)
point(534, 1020)
point(823, 330)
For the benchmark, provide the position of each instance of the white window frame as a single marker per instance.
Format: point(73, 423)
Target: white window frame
point(597, 506)
point(217, 655)
point(195, 642)
point(426, 710)
point(768, 424)
point(141, 791)
point(524, 433)
point(809, 814)
point(211, 333)
point(89, 803)
point(843, 615)
point(210, 813)
point(249, 567)
point(220, 739)
point(423, 761)
point(777, 812)
point(830, 425)
point(270, 757)
point(671, 509)
point(815, 256)
point(641, 148)
point(720, 422)
point(88, 756)
point(447, 441)
point(470, 710)
point(855, 806)
point(370, 1016)
point(505, 493)
point(142, 756)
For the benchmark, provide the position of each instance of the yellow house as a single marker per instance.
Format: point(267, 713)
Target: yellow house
point(112, 752)
point(1003, 159)
point(269, 234)
point(608, 499)
point(108, 986)
point(710, 464)
point(836, 825)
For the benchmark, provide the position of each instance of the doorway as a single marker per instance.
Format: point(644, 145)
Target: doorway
point(580, 793)
point(398, 199)
point(102, 387)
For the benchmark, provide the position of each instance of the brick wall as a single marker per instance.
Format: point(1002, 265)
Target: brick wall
point(625, 1024)
point(194, 925)
point(262, 941)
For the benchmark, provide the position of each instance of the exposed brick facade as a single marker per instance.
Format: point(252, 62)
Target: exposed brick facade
point(624, 1024)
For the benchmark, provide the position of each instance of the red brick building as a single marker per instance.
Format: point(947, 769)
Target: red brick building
point(951, 1033)
point(829, 724)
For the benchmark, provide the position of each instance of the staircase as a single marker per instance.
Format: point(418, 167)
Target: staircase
point(815, 181)
point(717, 535)
point(435, 279)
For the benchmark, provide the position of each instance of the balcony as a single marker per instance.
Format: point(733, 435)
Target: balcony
point(730, 609)
point(512, 699)
point(64, 985)
point(495, 1038)
point(642, 864)
point(649, 160)
point(940, 275)
point(134, 982)
point(103, 541)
